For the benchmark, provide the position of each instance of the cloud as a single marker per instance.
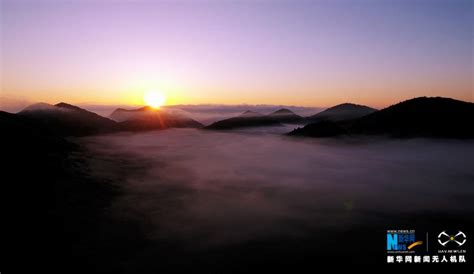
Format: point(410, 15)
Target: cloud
point(218, 188)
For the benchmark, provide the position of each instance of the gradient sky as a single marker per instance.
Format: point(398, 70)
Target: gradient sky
point(309, 53)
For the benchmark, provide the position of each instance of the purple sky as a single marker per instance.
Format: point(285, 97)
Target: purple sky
point(310, 53)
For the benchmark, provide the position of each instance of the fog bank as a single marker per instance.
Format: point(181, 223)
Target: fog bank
point(214, 188)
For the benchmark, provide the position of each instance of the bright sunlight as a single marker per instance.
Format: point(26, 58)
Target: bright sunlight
point(154, 99)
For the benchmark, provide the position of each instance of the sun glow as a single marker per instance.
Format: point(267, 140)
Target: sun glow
point(154, 99)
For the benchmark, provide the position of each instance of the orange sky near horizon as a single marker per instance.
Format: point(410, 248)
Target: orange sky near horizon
point(365, 96)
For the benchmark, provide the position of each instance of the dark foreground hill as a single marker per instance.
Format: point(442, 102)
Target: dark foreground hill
point(56, 207)
point(67, 120)
point(419, 117)
point(254, 119)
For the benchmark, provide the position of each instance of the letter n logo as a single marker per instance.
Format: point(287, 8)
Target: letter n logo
point(392, 241)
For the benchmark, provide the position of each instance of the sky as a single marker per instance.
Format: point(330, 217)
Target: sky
point(306, 53)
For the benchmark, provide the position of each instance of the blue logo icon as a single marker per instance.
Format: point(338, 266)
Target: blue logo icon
point(401, 240)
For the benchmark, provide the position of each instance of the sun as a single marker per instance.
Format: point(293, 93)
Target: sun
point(154, 99)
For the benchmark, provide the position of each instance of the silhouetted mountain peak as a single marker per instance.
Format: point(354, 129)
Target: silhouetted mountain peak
point(423, 117)
point(38, 107)
point(418, 117)
point(255, 119)
point(145, 109)
point(283, 111)
point(45, 107)
point(428, 101)
point(67, 120)
point(72, 107)
point(285, 115)
point(345, 111)
point(141, 113)
point(66, 105)
point(350, 107)
point(119, 109)
point(250, 113)
point(147, 118)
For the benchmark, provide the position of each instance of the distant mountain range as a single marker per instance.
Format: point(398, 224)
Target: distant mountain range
point(147, 118)
point(419, 117)
point(285, 116)
point(67, 120)
point(255, 119)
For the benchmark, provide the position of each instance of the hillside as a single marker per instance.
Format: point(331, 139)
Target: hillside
point(255, 119)
point(346, 111)
point(147, 118)
point(419, 117)
point(68, 120)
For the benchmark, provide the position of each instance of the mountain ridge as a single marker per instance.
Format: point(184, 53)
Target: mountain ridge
point(66, 119)
point(147, 118)
point(437, 117)
point(254, 119)
point(340, 112)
